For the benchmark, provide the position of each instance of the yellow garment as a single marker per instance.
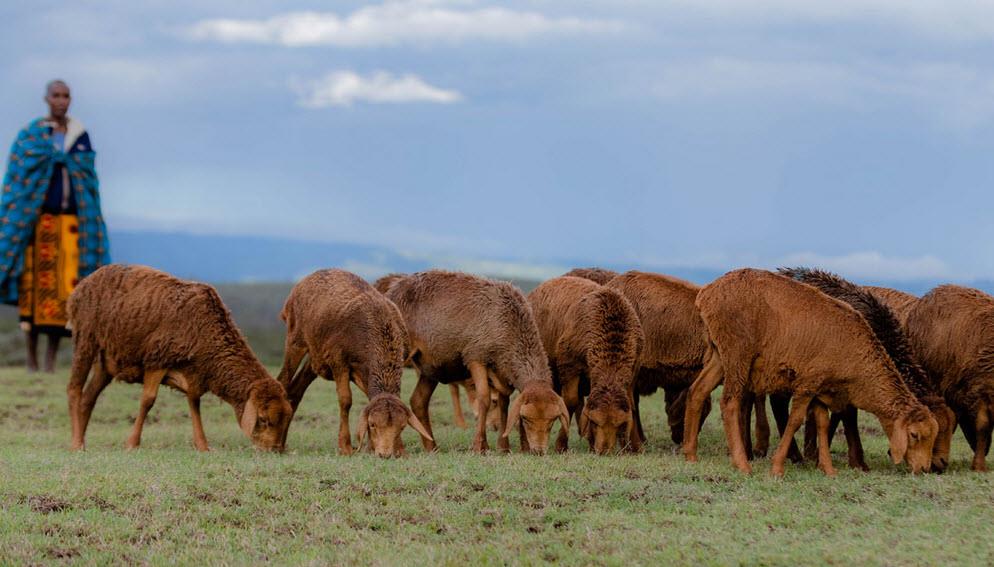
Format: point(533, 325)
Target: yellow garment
point(51, 272)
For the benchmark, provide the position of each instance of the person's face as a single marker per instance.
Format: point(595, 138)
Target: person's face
point(58, 100)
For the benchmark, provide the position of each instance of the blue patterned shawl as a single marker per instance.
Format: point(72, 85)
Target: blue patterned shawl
point(29, 172)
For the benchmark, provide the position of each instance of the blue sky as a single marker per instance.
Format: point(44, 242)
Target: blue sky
point(855, 135)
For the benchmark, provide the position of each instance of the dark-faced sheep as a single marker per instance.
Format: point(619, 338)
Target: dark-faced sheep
point(597, 275)
point(144, 326)
point(461, 324)
point(349, 332)
point(952, 333)
point(593, 337)
point(888, 330)
point(675, 341)
point(770, 334)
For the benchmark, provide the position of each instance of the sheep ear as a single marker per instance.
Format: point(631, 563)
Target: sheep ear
point(363, 430)
point(563, 415)
point(249, 415)
point(412, 420)
point(899, 440)
point(583, 423)
point(513, 415)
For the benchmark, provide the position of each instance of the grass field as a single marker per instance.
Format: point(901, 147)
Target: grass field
point(167, 504)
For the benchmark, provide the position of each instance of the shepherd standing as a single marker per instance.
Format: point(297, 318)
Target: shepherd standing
point(52, 233)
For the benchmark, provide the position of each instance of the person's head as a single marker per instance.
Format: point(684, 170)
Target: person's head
point(58, 98)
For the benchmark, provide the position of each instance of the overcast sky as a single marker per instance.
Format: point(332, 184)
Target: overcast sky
point(856, 135)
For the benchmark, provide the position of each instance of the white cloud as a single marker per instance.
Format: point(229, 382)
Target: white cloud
point(342, 88)
point(394, 23)
point(872, 265)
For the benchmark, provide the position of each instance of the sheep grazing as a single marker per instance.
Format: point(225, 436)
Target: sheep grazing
point(951, 330)
point(461, 324)
point(888, 330)
point(349, 332)
point(675, 341)
point(597, 275)
point(593, 337)
point(899, 302)
point(769, 334)
point(141, 325)
point(382, 285)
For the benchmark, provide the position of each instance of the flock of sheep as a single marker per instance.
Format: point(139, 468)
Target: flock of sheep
point(588, 345)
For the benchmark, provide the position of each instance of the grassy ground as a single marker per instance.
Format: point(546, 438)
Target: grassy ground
point(167, 504)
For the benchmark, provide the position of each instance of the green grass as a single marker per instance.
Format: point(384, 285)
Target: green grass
point(167, 504)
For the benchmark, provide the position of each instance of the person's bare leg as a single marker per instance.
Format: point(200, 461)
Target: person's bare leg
point(52, 352)
point(31, 339)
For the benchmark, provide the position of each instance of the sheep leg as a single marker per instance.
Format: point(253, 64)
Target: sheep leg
point(762, 446)
point(82, 362)
point(983, 425)
point(745, 423)
point(467, 385)
point(571, 396)
point(822, 419)
point(637, 416)
point(798, 413)
point(697, 395)
point(296, 385)
point(810, 437)
point(150, 389)
point(344, 390)
point(199, 438)
point(457, 414)
point(503, 443)
point(482, 384)
point(780, 403)
point(101, 378)
point(419, 405)
point(850, 422)
point(731, 410)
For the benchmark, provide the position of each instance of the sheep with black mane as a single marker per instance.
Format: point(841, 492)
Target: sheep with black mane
point(887, 328)
point(771, 334)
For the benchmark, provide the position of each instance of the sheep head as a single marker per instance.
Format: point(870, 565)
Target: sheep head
point(912, 437)
point(266, 415)
point(605, 420)
point(537, 407)
point(382, 421)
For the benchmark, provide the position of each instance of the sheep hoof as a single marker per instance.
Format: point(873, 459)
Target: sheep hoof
point(691, 458)
point(345, 450)
point(777, 472)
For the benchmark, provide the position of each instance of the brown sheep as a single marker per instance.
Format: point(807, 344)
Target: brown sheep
point(593, 337)
point(459, 324)
point(598, 275)
point(144, 326)
point(899, 302)
point(769, 333)
point(382, 285)
point(952, 332)
point(892, 336)
point(349, 332)
point(675, 341)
